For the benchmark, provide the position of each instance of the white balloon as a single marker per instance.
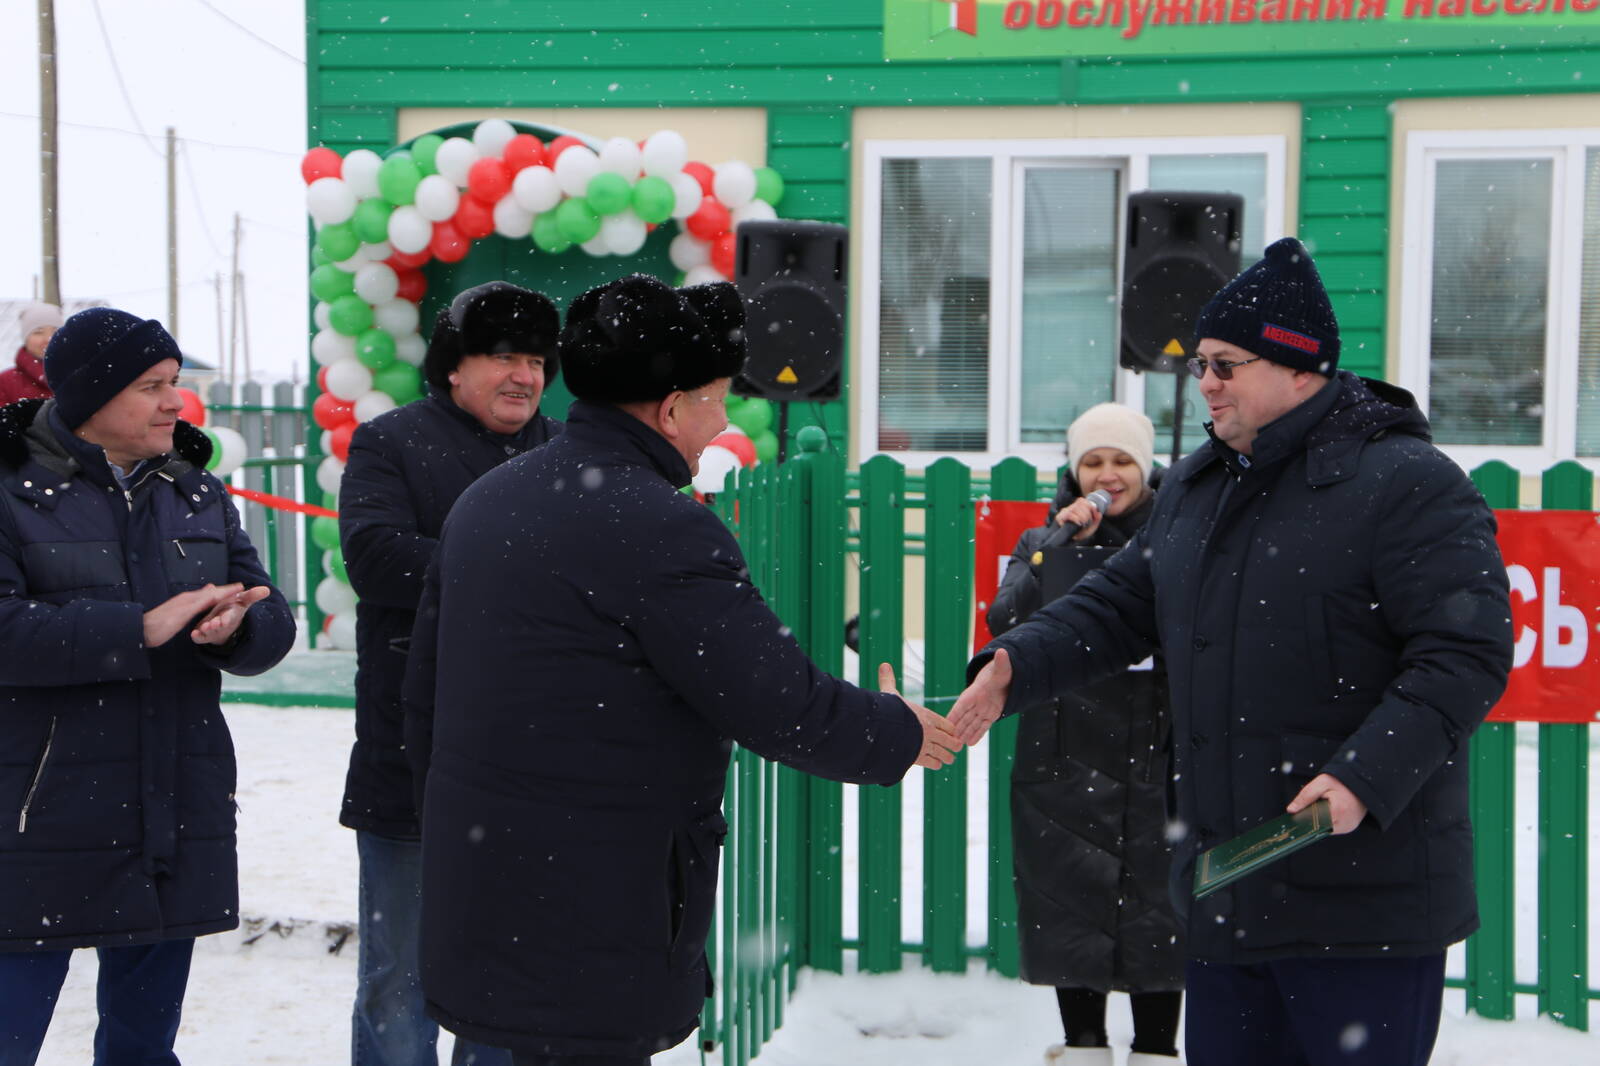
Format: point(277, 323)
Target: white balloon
point(574, 169)
point(734, 184)
point(330, 346)
point(396, 317)
point(703, 275)
point(621, 156)
point(688, 193)
point(329, 471)
point(409, 230)
point(377, 253)
point(511, 219)
point(373, 404)
point(492, 135)
point(360, 172)
point(436, 199)
point(410, 349)
point(342, 631)
point(688, 251)
point(322, 316)
point(754, 211)
point(329, 201)
point(665, 153)
point(353, 264)
point(716, 462)
point(377, 283)
point(536, 189)
point(326, 442)
point(233, 448)
point(454, 158)
point(348, 379)
point(596, 245)
point(623, 232)
point(334, 596)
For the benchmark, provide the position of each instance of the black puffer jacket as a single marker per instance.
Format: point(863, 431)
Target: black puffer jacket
point(116, 767)
point(406, 469)
point(1334, 602)
point(1088, 804)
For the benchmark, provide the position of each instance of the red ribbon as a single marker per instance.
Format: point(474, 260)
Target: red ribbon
point(283, 503)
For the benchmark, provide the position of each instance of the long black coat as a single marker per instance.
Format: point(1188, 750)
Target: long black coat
point(1334, 602)
point(406, 469)
point(116, 767)
point(598, 642)
point(1088, 807)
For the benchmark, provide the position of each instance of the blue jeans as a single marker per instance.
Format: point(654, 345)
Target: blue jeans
point(390, 1026)
point(139, 993)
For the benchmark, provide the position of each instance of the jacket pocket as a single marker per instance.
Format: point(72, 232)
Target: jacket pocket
point(191, 562)
point(692, 863)
point(1319, 652)
point(1365, 858)
point(37, 776)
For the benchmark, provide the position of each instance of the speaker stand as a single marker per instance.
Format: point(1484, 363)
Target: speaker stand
point(1177, 413)
point(783, 429)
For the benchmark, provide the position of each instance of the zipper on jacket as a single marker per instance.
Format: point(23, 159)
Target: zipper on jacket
point(38, 775)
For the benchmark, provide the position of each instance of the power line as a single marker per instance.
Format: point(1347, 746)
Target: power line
point(205, 227)
point(248, 32)
point(186, 140)
point(111, 54)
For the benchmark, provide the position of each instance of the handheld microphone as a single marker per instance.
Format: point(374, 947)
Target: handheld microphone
point(1100, 499)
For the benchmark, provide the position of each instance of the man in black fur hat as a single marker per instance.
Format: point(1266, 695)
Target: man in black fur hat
point(126, 585)
point(493, 351)
point(588, 647)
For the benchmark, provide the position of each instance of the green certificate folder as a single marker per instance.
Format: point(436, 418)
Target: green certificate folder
point(1266, 843)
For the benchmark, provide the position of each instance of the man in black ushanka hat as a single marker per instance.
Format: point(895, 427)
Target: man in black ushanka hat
point(1334, 614)
point(493, 351)
point(588, 647)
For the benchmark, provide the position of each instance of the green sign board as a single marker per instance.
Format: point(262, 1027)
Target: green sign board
point(1009, 29)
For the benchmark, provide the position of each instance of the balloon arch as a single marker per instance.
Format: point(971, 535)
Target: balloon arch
point(380, 219)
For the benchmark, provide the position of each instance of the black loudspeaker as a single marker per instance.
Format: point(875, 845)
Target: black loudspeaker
point(1181, 247)
point(792, 277)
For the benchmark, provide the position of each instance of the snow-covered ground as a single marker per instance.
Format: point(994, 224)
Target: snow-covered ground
point(278, 991)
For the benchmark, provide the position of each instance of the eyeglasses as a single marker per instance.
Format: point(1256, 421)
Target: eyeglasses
point(1223, 368)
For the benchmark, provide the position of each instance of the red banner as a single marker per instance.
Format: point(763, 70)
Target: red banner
point(1000, 523)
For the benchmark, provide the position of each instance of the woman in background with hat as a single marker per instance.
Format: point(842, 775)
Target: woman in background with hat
point(1088, 788)
point(26, 380)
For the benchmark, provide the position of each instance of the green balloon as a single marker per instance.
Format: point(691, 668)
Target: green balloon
point(423, 149)
point(371, 221)
point(338, 242)
point(754, 416)
point(350, 315)
point(375, 349)
point(318, 257)
point(653, 199)
point(577, 220)
point(398, 177)
point(330, 501)
point(336, 564)
point(608, 193)
point(547, 236)
point(766, 447)
point(769, 185)
point(400, 381)
point(328, 283)
point(325, 532)
point(216, 448)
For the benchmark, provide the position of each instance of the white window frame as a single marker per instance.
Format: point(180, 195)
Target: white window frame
point(1566, 149)
point(1008, 158)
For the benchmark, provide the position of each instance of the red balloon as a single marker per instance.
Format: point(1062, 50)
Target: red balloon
point(193, 411)
point(447, 245)
point(523, 151)
point(709, 221)
point(330, 412)
point(412, 285)
point(473, 219)
point(322, 380)
point(557, 146)
point(701, 173)
point(739, 445)
point(488, 180)
point(722, 254)
point(408, 260)
point(321, 163)
point(339, 440)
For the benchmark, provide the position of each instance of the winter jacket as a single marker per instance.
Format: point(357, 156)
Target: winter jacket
point(25, 381)
point(1088, 804)
point(116, 767)
point(1334, 602)
point(405, 470)
point(599, 646)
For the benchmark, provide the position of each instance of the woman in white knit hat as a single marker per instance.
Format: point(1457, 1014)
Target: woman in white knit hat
point(25, 381)
point(1088, 787)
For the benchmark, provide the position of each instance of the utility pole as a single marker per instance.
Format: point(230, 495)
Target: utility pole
point(172, 231)
point(233, 319)
point(49, 229)
point(217, 282)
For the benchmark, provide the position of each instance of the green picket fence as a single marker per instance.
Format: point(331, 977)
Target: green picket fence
point(783, 885)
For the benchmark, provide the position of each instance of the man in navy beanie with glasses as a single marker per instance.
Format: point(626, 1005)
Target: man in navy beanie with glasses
point(126, 586)
point(1333, 607)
